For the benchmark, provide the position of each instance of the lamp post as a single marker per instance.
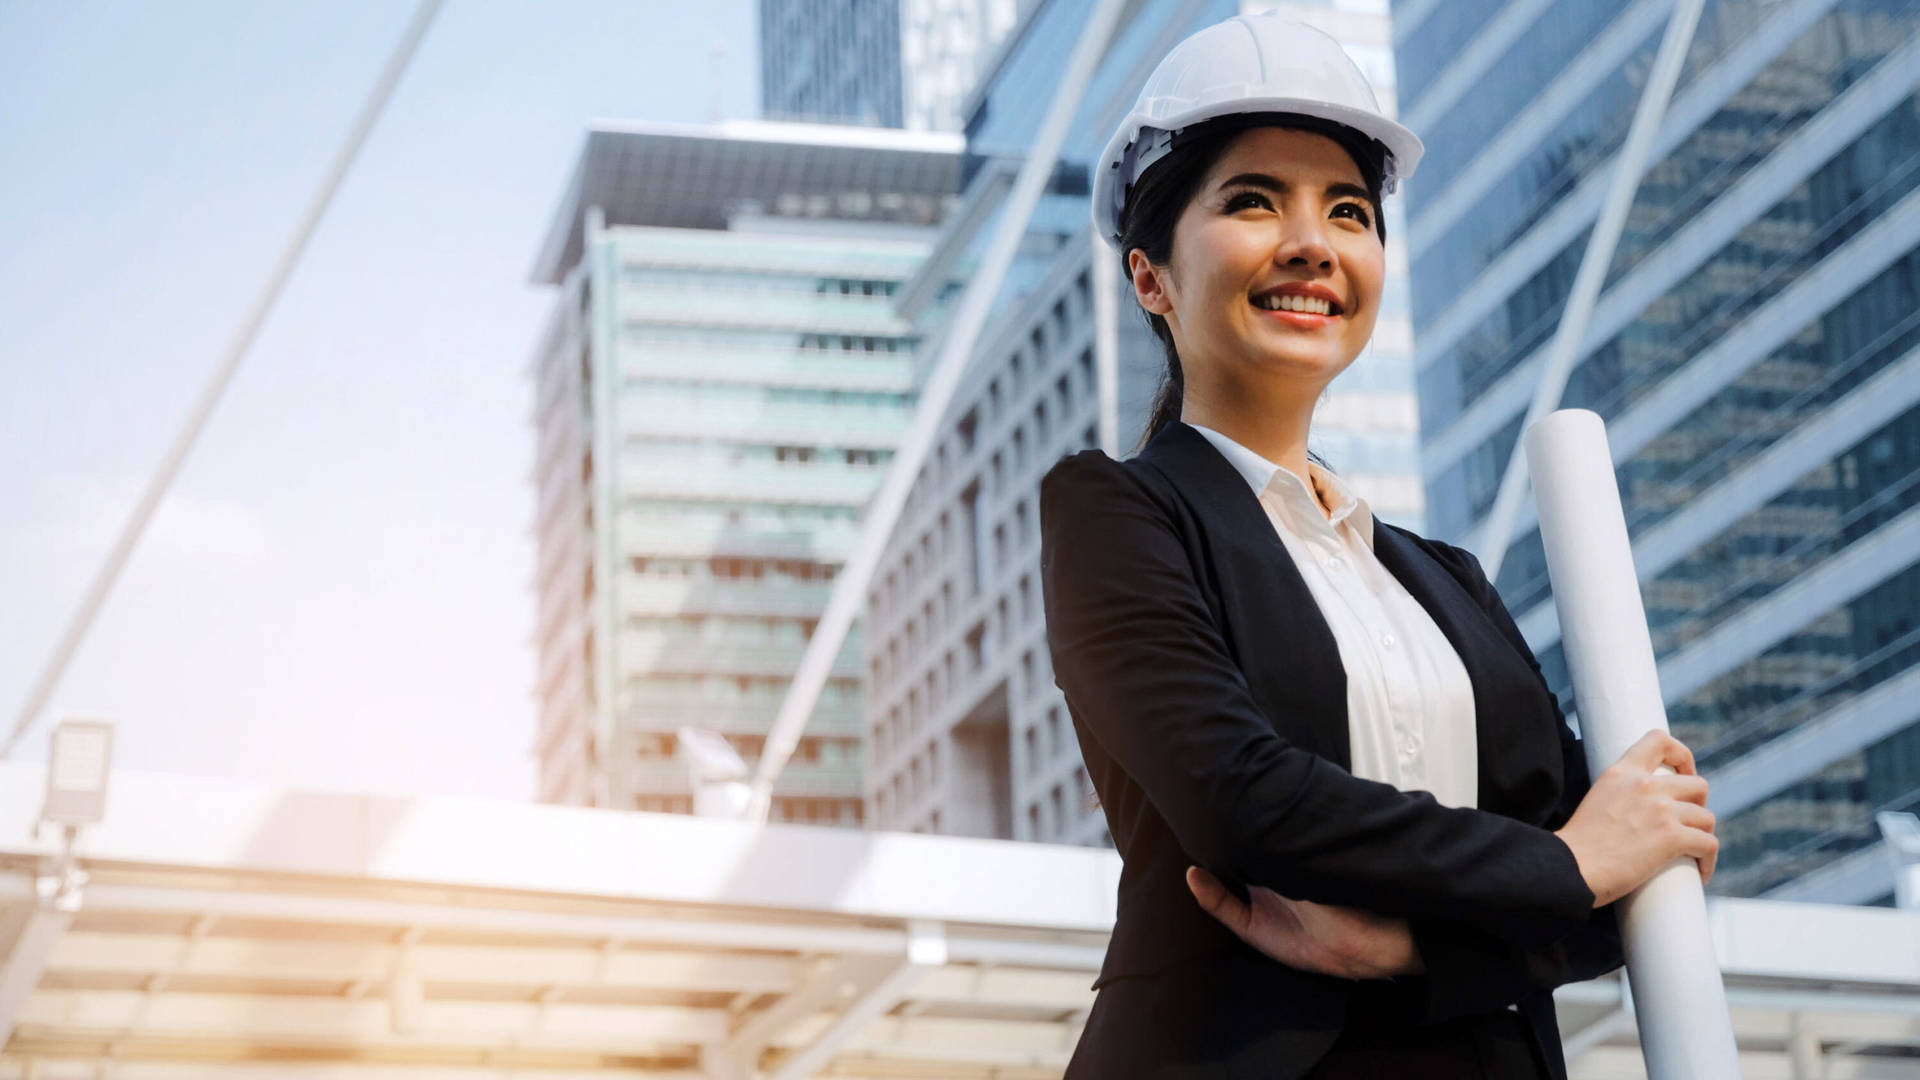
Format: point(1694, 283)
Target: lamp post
point(77, 771)
point(76, 796)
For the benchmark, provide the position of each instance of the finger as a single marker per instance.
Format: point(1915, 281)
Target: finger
point(1675, 753)
point(1694, 817)
point(1709, 861)
point(1700, 845)
point(1683, 788)
point(1657, 748)
point(1216, 899)
point(1645, 752)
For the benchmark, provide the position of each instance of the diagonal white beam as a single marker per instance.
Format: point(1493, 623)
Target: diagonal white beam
point(1492, 544)
point(956, 348)
point(927, 949)
point(1104, 280)
point(814, 995)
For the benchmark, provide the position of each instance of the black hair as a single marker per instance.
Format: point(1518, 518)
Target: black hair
point(1155, 201)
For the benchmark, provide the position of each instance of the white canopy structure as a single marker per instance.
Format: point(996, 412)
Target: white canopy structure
point(225, 929)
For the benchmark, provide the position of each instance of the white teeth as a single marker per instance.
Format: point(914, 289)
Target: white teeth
point(1294, 302)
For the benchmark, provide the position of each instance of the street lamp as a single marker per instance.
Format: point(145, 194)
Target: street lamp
point(77, 771)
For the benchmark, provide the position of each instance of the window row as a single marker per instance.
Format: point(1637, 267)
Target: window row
point(733, 568)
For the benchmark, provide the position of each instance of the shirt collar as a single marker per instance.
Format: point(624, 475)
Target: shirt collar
point(1291, 492)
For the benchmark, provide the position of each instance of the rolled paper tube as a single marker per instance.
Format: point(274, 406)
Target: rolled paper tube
point(1679, 1000)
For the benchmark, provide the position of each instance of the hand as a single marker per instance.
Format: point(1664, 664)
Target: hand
point(1646, 810)
point(1348, 943)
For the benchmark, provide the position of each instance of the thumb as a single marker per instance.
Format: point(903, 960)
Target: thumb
point(1215, 898)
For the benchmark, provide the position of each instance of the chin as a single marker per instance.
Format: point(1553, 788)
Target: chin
point(1322, 364)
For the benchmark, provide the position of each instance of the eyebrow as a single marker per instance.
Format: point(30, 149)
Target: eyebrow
point(1262, 180)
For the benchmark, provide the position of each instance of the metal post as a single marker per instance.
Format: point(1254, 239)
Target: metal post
point(970, 316)
point(1625, 183)
point(1104, 277)
point(216, 386)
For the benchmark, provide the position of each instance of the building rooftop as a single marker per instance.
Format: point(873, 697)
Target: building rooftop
point(694, 176)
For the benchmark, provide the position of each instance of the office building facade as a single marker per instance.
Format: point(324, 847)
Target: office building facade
point(719, 391)
point(890, 63)
point(1755, 352)
point(969, 734)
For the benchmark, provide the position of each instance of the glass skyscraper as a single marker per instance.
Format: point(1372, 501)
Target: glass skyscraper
point(719, 390)
point(1755, 353)
point(886, 63)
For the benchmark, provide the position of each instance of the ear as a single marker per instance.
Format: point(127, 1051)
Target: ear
point(1149, 283)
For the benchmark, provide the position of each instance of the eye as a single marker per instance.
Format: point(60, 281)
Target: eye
point(1356, 211)
point(1246, 199)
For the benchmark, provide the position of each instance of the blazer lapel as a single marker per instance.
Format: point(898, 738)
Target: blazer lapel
point(1273, 625)
point(1518, 759)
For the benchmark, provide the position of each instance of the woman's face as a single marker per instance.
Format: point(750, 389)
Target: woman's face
point(1275, 261)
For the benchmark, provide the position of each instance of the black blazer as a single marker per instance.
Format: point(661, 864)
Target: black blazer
point(1210, 704)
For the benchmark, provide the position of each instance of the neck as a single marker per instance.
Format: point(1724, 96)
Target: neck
point(1270, 420)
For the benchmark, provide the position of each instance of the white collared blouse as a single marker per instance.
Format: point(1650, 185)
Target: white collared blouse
point(1410, 708)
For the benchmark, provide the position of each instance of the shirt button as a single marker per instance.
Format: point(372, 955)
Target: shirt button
point(1336, 563)
point(1388, 640)
point(1410, 747)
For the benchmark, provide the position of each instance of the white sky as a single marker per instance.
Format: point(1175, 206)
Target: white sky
point(337, 593)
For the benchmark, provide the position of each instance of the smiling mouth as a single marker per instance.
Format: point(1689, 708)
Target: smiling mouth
point(1304, 305)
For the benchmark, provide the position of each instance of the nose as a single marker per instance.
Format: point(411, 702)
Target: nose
point(1304, 243)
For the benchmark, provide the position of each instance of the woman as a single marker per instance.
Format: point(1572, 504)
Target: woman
point(1358, 838)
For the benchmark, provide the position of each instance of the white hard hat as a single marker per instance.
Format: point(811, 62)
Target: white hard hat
point(1259, 63)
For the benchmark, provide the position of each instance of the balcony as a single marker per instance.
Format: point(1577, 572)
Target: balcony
point(645, 652)
point(751, 715)
point(698, 538)
point(890, 373)
point(816, 313)
point(822, 483)
point(646, 595)
point(798, 778)
point(769, 422)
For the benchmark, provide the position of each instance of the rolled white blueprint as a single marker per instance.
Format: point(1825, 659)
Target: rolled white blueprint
point(1679, 1000)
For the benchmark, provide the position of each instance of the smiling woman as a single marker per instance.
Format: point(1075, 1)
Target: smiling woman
point(1357, 836)
point(1239, 186)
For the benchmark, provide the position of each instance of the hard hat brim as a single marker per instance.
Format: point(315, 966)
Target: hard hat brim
point(1404, 148)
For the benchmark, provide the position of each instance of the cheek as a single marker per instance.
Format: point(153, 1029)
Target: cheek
point(1367, 272)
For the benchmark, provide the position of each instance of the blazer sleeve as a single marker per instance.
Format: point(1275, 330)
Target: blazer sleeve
point(1148, 673)
point(1469, 971)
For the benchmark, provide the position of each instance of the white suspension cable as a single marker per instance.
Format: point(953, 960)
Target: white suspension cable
point(1497, 532)
point(216, 386)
